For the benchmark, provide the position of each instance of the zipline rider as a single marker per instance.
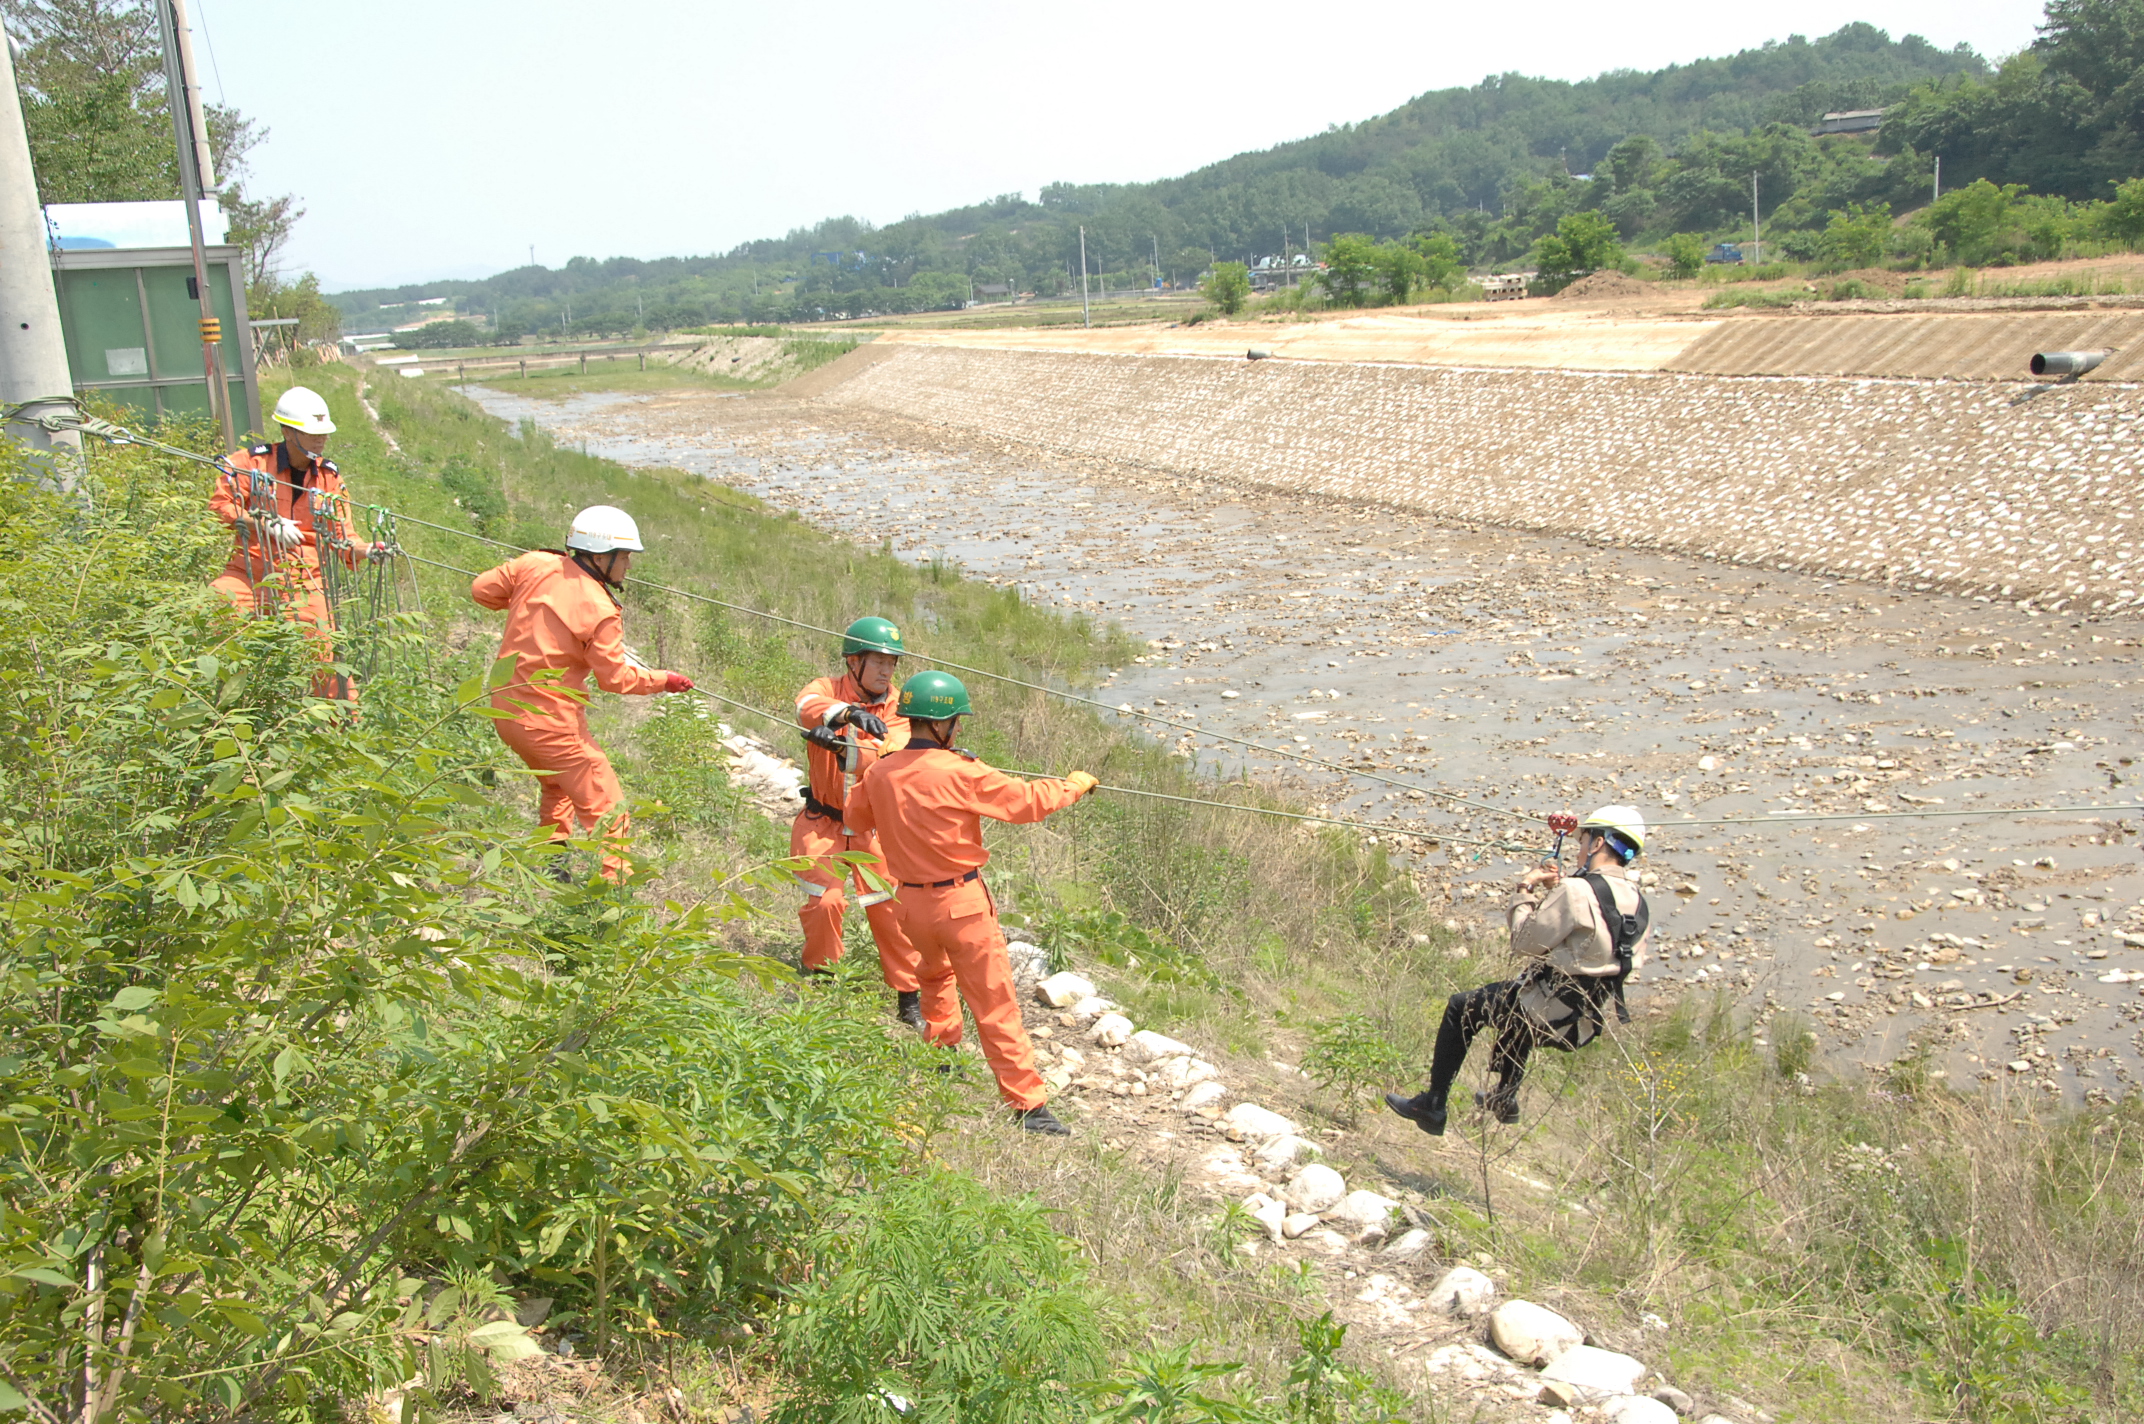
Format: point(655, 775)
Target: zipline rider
point(849, 722)
point(563, 617)
point(926, 803)
point(1583, 937)
point(282, 502)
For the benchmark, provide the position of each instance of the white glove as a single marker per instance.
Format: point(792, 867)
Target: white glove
point(285, 533)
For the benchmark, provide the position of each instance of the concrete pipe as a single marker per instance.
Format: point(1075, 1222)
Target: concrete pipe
point(2066, 363)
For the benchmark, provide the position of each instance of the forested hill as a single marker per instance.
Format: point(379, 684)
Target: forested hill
point(1497, 163)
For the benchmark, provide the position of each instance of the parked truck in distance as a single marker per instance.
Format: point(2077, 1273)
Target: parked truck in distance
point(1727, 252)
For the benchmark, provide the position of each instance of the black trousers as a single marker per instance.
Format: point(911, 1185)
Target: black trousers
point(1466, 1014)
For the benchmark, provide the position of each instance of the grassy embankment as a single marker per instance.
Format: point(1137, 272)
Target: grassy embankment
point(1855, 1248)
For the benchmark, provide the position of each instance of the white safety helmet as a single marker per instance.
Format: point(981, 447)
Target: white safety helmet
point(305, 411)
point(1622, 827)
point(600, 528)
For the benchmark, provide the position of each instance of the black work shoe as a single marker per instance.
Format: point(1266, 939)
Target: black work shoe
point(908, 1007)
point(806, 971)
point(560, 871)
point(1502, 1105)
point(1041, 1120)
point(1420, 1111)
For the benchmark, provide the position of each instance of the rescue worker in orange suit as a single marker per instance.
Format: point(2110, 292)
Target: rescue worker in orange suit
point(563, 616)
point(926, 803)
point(849, 723)
point(285, 504)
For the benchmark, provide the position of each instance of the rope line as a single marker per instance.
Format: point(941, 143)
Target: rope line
point(72, 417)
point(1119, 709)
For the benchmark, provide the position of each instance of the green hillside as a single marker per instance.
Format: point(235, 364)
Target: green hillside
point(1493, 163)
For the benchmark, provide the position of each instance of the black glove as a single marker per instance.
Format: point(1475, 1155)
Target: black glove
point(864, 722)
point(826, 739)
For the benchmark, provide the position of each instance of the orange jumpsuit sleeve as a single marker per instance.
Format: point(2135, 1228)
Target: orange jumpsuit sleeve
point(614, 669)
point(1009, 798)
point(816, 702)
point(493, 588)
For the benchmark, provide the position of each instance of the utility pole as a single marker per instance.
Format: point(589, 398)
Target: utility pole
point(1086, 313)
point(1938, 193)
point(1756, 234)
point(1157, 257)
point(197, 174)
point(33, 350)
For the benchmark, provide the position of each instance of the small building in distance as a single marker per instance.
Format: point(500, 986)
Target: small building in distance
point(1847, 121)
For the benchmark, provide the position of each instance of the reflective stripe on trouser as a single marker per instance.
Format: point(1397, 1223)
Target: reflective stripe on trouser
point(304, 606)
point(827, 895)
point(582, 789)
point(958, 943)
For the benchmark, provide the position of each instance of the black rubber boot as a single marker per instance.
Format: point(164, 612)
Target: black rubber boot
point(560, 869)
point(805, 971)
point(908, 1007)
point(1419, 1110)
point(1041, 1120)
point(1501, 1103)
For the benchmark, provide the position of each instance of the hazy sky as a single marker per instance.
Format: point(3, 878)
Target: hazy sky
point(446, 138)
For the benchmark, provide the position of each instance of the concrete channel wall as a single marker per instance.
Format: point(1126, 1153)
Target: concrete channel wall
point(1972, 486)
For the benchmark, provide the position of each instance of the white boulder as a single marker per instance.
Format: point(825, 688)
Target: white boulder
point(1147, 1046)
point(1598, 1374)
point(1110, 1030)
point(1062, 991)
point(1181, 1072)
point(1363, 1208)
point(1638, 1409)
point(1533, 1334)
point(1316, 1188)
point(1205, 1094)
point(1297, 1223)
point(1087, 1010)
point(1412, 1246)
point(1257, 1122)
point(1279, 1154)
point(1462, 1291)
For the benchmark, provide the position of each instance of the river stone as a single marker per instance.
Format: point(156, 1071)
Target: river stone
point(1110, 1030)
point(1062, 991)
point(1298, 1223)
point(1411, 1246)
point(1087, 1010)
point(1181, 1072)
point(1674, 1399)
point(1638, 1409)
point(1270, 1214)
point(1316, 1188)
point(1364, 1208)
point(1461, 1291)
point(1278, 1155)
point(1533, 1334)
point(1147, 1046)
point(1598, 1373)
point(1204, 1094)
point(1254, 1121)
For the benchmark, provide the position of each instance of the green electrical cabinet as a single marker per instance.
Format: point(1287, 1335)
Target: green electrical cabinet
point(133, 328)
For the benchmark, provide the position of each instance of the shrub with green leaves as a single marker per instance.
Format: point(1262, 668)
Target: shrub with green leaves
point(290, 1044)
point(1351, 1057)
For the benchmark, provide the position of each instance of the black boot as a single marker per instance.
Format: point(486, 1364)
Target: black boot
point(1421, 1110)
point(1041, 1120)
point(908, 1007)
point(1501, 1103)
point(560, 869)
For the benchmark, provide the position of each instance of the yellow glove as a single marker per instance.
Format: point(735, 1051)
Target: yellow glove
point(1081, 783)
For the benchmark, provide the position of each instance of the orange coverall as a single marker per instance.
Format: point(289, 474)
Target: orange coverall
point(926, 804)
point(560, 616)
point(819, 836)
point(261, 482)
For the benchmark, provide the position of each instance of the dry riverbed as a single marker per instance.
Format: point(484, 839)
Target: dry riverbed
point(1531, 674)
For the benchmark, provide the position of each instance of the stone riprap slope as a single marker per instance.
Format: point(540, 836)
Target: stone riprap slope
point(1995, 346)
point(1967, 486)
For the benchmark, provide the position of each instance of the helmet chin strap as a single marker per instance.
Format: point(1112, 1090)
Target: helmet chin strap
point(601, 575)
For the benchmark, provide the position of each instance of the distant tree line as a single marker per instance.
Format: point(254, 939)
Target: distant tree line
point(1562, 176)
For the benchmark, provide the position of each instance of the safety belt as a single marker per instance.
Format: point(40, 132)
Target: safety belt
point(1625, 931)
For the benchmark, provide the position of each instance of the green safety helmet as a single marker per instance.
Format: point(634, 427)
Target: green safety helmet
point(934, 696)
point(872, 635)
